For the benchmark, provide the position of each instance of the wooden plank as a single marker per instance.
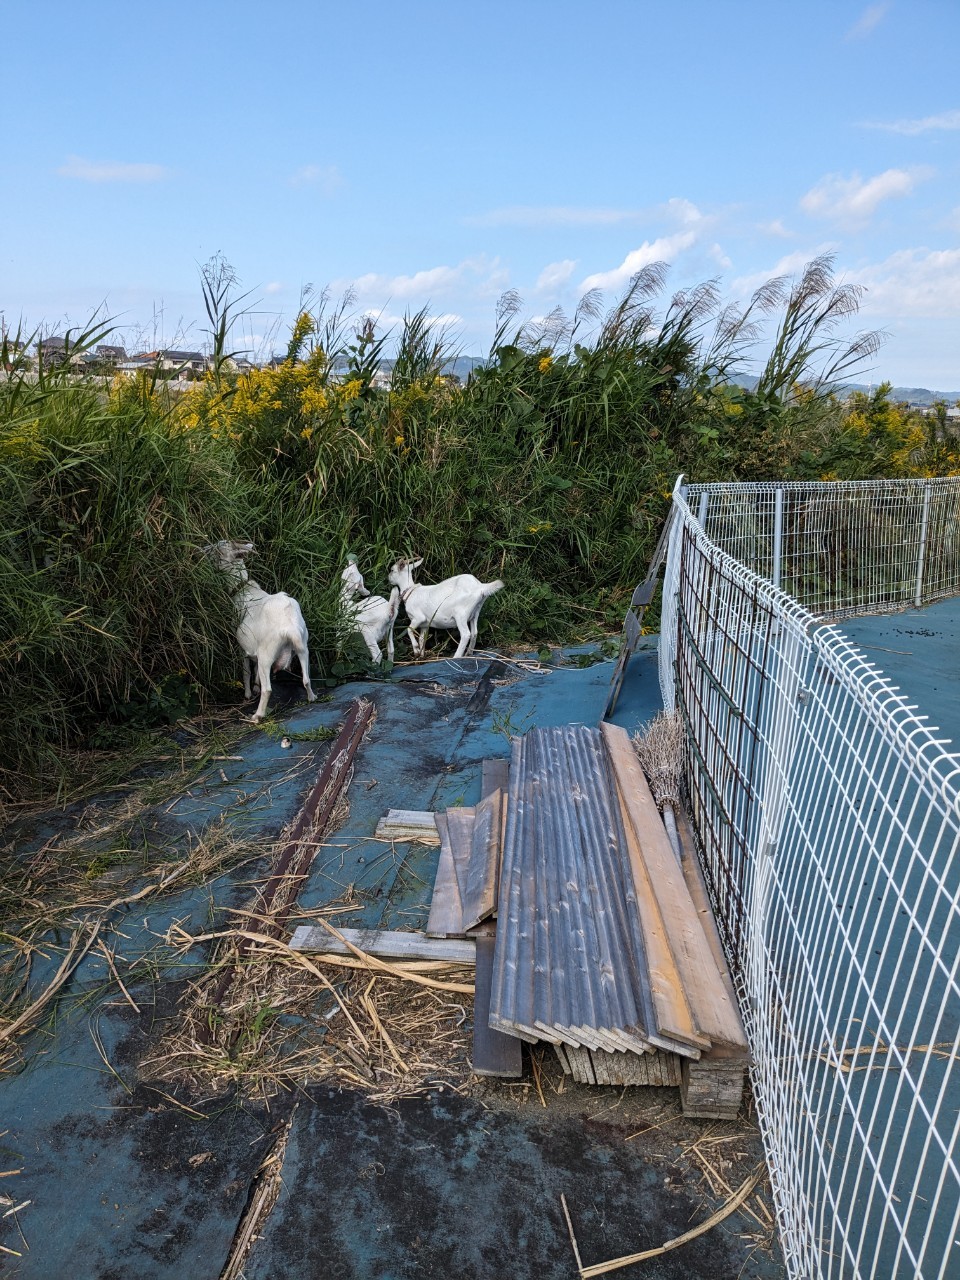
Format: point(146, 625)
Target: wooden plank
point(387, 944)
point(693, 874)
point(460, 834)
point(672, 1011)
point(495, 776)
point(712, 1089)
point(494, 1053)
point(478, 892)
point(408, 824)
point(714, 1015)
point(446, 909)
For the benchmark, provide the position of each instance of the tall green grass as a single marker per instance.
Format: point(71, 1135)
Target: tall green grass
point(551, 469)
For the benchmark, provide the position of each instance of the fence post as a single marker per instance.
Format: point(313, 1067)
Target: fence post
point(702, 513)
point(777, 536)
point(921, 555)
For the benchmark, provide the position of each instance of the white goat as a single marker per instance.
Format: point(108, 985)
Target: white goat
point(271, 628)
point(453, 604)
point(374, 616)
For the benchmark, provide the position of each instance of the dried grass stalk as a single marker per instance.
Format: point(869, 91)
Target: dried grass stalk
point(660, 746)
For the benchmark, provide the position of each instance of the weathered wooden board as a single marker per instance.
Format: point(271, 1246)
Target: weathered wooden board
point(671, 1008)
point(460, 822)
point(408, 824)
point(712, 1089)
point(481, 882)
point(696, 884)
point(494, 1053)
point(446, 909)
point(594, 1066)
point(386, 944)
point(495, 776)
point(714, 1015)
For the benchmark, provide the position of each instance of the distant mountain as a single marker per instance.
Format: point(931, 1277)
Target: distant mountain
point(912, 395)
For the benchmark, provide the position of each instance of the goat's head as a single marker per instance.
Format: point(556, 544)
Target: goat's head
point(229, 554)
point(401, 575)
point(352, 579)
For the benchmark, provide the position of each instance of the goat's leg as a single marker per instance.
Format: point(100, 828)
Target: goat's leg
point(463, 646)
point(263, 670)
point(247, 691)
point(304, 656)
point(417, 643)
point(375, 654)
point(390, 644)
point(473, 635)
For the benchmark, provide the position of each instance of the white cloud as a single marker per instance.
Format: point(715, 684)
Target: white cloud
point(327, 178)
point(555, 275)
point(775, 228)
point(945, 120)
point(683, 212)
point(871, 18)
point(719, 257)
point(273, 287)
point(913, 282)
point(663, 249)
point(856, 199)
point(111, 171)
point(792, 264)
point(485, 275)
point(433, 280)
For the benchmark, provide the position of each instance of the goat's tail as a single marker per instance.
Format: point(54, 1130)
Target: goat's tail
point(491, 588)
point(394, 603)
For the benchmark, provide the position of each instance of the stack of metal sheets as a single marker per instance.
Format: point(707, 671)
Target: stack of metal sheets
point(569, 966)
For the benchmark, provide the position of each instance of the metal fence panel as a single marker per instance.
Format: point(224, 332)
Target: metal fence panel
point(829, 819)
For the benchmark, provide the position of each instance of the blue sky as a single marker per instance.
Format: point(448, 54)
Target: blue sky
point(440, 153)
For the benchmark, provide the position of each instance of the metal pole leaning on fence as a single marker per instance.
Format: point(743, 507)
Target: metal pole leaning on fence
point(922, 553)
point(632, 623)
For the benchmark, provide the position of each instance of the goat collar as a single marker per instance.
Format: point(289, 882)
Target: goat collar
point(404, 594)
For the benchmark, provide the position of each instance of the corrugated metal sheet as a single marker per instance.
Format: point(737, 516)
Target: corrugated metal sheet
point(569, 966)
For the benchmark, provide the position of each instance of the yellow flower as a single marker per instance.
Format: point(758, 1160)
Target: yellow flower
point(306, 433)
point(398, 441)
point(545, 363)
point(313, 400)
point(350, 390)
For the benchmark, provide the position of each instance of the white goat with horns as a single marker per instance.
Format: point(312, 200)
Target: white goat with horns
point(453, 604)
point(374, 616)
point(271, 628)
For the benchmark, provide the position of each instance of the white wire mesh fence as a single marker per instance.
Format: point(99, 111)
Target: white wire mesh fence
point(841, 549)
point(829, 817)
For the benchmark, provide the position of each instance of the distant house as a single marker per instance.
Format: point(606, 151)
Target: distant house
point(171, 360)
point(52, 350)
point(185, 363)
point(109, 354)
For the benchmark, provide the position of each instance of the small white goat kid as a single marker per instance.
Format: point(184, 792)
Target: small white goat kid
point(271, 628)
point(453, 604)
point(374, 616)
